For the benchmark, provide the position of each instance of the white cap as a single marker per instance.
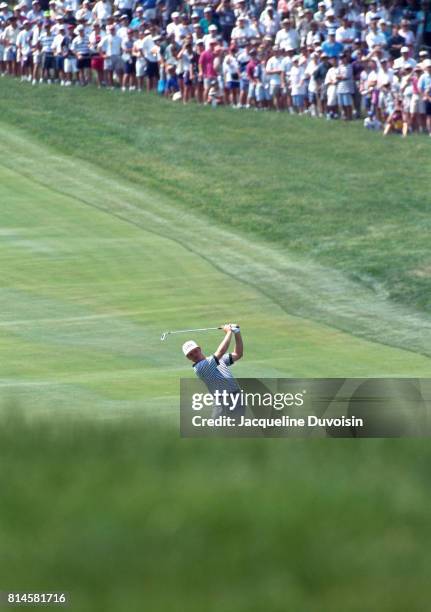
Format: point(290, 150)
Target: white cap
point(175, 14)
point(189, 346)
point(330, 13)
point(405, 49)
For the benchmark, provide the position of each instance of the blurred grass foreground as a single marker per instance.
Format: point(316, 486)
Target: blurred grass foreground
point(125, 515)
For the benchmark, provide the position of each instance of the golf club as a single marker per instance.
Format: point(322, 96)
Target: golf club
point(185, 331)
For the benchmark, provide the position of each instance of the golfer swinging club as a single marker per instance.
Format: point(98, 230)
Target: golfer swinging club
point(215, 370)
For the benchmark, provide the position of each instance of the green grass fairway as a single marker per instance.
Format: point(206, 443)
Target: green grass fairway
point(95, 269)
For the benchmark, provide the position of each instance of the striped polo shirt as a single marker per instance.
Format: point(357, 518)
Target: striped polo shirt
point(216, 374)
point(46, 41)
point(81, 45)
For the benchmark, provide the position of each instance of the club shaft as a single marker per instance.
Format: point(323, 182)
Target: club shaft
point(184, 331)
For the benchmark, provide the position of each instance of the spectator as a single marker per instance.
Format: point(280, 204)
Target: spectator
point(331, 57)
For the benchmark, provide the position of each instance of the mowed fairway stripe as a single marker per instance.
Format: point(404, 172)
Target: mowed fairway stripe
point(85, 294)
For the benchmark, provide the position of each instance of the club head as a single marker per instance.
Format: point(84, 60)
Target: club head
point(163, 336)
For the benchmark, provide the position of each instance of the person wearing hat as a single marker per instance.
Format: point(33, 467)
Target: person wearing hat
point(140, 63)
point(172, 25)
point(424, 86)
point(345, 34)
point(320, 15)
point(274, 70)
point(405, 59)
point(374, 36)
point(58, 45)
point(129, 62)
point(269, 20)
point(214, 371)
point(212, 36)
point(331, 47)
point(48, 60)
point(9, 37)
point(331, 23)
point(345, 87)
point(208, 20)
point(96, 59)
point(84, 14)
point(319, 75)
point(298, 85)
point(331, 82)
point(5, 13)
point(287, 36)
point(123, 27)
point(231, 75)
point(152, 55)
point(23, 44)
point(110, 48)
point(80, 48)
point(138, 18)
point(35, 14)
point(241, 32)
point(207, 71)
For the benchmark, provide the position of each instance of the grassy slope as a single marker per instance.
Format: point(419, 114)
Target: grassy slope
point(337, 194)
point(130, 519)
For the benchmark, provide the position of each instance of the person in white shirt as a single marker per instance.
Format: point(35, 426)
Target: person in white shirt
point(313, 86)
point(274, 69)
point(374, 36)
point(298, 84)
point(84, 12)
point(151, 51)
point(102, 10)
point(331, 81)
point(345, 34)
point(211, 37)
point(269, 20)
point(287, 36)
point(123, 28)
point(110, 46)
point(171, 27)
point(9, 38)
point(406, 33)
point(404, 59)
point(241, 32)
point(345, 87)
point(231, 76)
point(141, 64)
point(58, 49)
point(286, 65)
point(23, 44)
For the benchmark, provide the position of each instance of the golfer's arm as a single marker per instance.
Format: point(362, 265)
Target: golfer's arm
point(239, 349)
point(224, 345)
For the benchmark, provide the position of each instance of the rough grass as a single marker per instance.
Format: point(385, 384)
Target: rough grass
point(128, 517)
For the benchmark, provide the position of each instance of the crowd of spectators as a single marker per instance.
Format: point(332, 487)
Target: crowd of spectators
point(330, 58)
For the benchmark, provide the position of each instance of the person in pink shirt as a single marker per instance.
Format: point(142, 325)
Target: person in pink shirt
point(207, 71)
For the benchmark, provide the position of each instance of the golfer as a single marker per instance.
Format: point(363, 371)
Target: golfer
point(215, 370)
